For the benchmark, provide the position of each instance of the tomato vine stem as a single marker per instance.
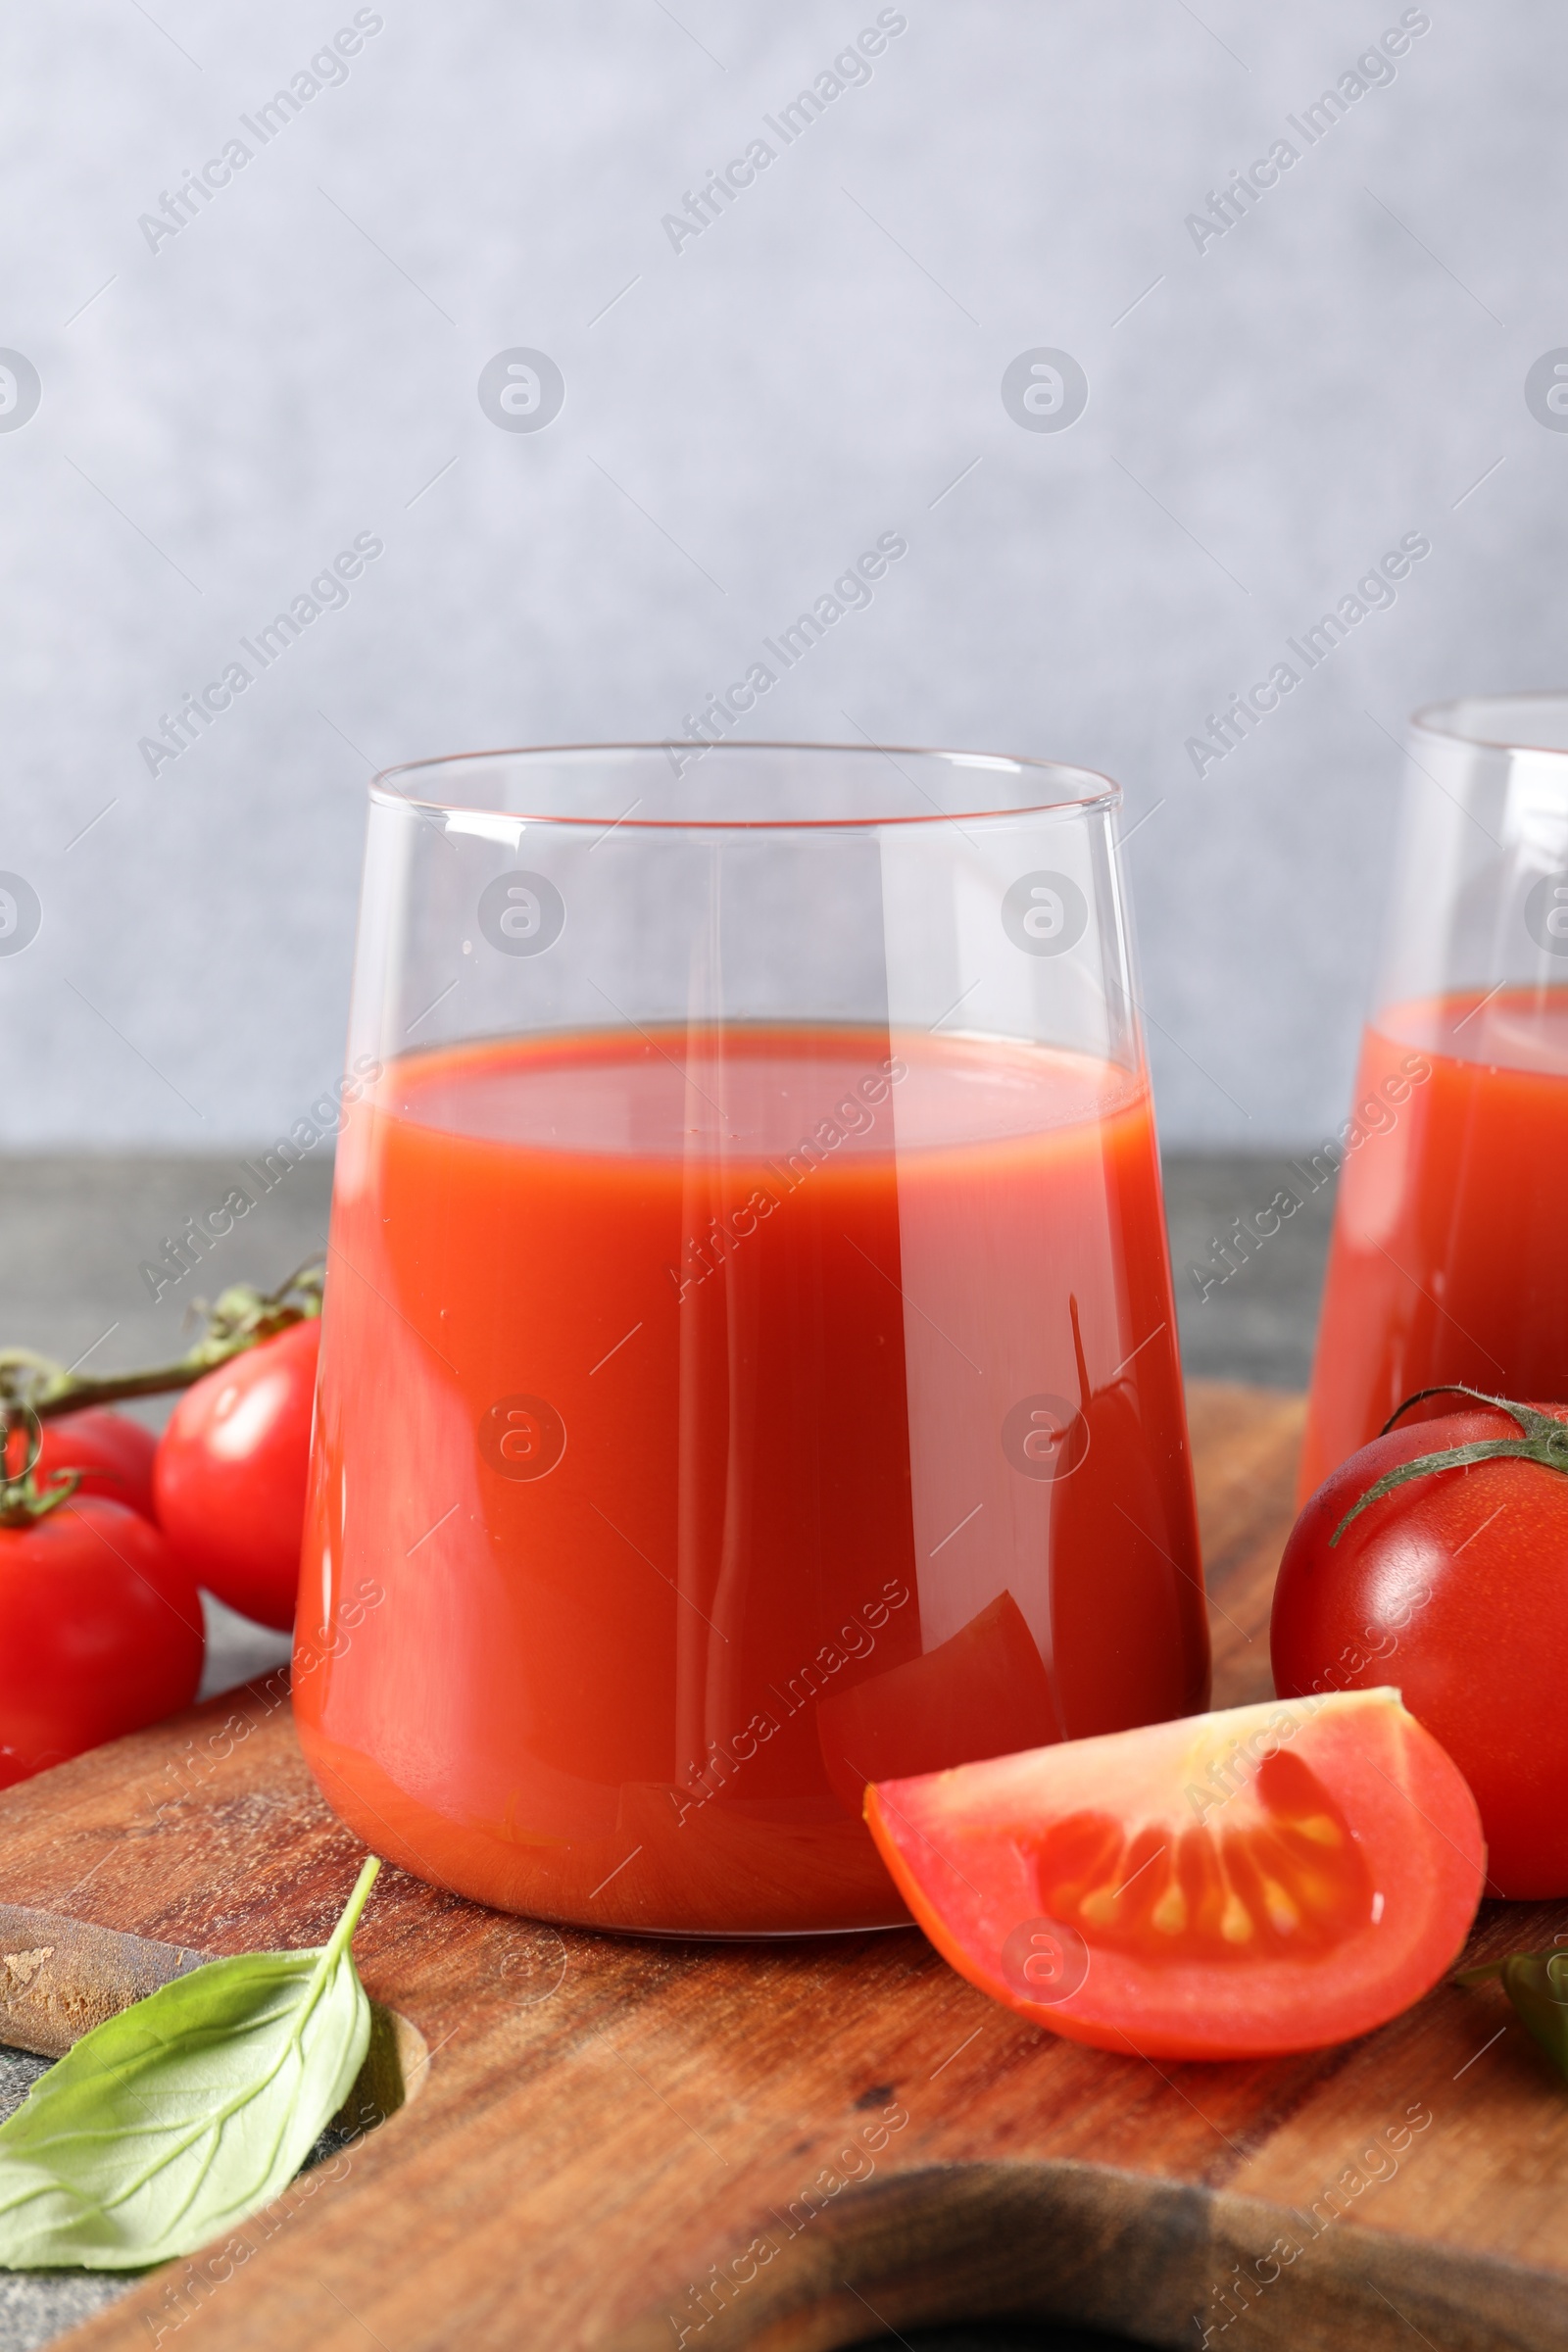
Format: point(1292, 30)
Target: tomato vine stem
point(1545, 1440)
point(239, 1318)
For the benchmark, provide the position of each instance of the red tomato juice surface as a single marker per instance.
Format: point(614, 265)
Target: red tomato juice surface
point(1450, 1257)
point(711, 1421)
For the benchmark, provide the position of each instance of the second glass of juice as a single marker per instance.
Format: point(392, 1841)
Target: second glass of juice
point(749, 1365)
point(1449, 1255)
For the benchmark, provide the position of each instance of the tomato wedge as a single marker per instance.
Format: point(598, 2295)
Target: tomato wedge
point(1228, 1885)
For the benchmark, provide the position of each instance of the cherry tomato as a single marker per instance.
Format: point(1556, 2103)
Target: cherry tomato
point(115, 1453)
point(1455, 1586)
point(100, 1633)
point(230, 1476)
point(1227, 1886)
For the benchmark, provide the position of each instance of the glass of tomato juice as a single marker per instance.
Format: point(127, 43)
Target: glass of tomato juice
point(749, 1365)
point(1449, 1255)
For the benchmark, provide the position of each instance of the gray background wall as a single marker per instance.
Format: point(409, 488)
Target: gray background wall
point(299, 365)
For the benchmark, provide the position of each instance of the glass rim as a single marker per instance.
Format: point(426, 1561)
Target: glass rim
point(1442, 720)
point(1105, 793)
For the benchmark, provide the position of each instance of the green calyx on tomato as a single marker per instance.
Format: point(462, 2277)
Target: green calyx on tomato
point(1544, 1441)
point(241, 1316)
point(22, 1500)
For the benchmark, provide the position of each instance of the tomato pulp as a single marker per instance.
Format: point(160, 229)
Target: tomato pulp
point(1450, 1257)
point(727, 1416)
point(1268, 1878)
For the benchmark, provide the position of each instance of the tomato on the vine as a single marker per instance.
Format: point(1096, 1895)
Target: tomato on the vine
point(100, 1633)
point(1452, 1583)
point(229, 1475)
point(113, 1453)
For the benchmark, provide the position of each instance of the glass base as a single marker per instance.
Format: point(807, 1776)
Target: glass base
point(718, 1879)
point(886, 1927)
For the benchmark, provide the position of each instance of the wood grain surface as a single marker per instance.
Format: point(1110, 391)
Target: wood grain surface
point(631, 2145)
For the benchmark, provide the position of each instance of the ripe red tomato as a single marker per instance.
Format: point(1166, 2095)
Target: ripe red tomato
point(115, 1453)
point(1455, 1586)
point(100, 1633)
point(1226, 1886)
point(230, 1476)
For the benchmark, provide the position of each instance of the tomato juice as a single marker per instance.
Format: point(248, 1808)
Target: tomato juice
point(733, 1416)
point(1450, 1256)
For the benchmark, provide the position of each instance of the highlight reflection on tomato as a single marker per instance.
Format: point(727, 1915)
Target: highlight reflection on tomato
point(1227, 1886)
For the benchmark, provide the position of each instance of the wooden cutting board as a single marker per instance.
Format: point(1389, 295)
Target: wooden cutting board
point(638, 2145)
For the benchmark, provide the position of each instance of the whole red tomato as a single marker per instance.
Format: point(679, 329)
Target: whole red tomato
point(229, 1475)
point(114, 1454)
point(1453, 1588)
point(100, 1633)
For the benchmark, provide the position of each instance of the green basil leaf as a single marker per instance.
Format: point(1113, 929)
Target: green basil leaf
point(186, 2112)
point(1536, 1983)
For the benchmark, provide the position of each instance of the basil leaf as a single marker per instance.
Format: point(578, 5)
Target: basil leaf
point(186, 2112)
point(1536, 1983)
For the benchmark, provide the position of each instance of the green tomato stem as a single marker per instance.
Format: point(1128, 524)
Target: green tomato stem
point(22, 1501)
point(241, 1318)
point(1545, 1440)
